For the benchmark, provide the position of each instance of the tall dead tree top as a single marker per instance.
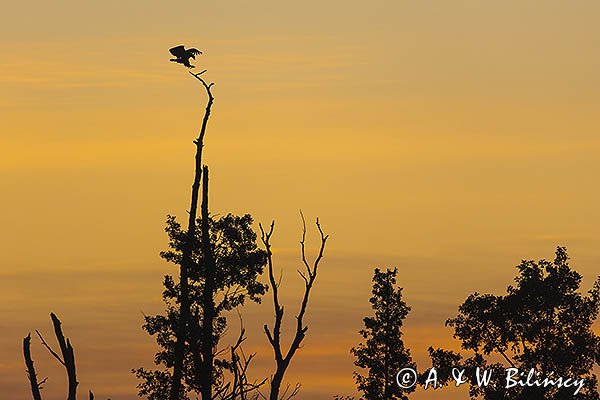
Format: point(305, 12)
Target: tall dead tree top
point(308, 275)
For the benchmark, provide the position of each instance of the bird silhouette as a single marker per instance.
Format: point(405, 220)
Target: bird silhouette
point(183, 55)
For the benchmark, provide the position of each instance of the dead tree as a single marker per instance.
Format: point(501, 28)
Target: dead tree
point(282, 360)
point(68, 356)
point(208, 301)
point(66, 359)
point(240, 387)
point(31, 374)
point(186, 263)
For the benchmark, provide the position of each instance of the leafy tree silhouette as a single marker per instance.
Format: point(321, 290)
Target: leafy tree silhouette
point(383, 352)
point(238, 265)
point(543, 322)
point(219, 266)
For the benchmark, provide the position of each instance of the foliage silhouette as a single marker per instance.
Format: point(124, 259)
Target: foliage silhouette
point(383, 352)
point(543, 322)
point(238, 265)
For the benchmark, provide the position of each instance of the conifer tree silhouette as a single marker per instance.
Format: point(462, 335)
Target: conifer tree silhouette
point(383, 353)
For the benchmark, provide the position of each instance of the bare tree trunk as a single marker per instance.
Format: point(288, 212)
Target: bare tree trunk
point(208, 302)
point(67, 360)
point(68, 356)
point(184, 300)
point(283, 361)
point(31, 374)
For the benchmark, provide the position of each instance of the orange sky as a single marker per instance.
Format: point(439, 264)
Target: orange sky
point(450, 139)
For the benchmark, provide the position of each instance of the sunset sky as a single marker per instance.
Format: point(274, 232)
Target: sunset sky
point(450, 139)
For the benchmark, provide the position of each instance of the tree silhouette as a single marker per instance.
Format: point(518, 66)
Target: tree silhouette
point(36, 385)
point(284, 358)
point(185, 264)
point(239, 387)
point(237, 263)
point(219, 267)
point(543, 322)
point(383, 352)
point(66, 358)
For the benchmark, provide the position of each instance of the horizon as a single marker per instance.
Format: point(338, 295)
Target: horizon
point(449, 140)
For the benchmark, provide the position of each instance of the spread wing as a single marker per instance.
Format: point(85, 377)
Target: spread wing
point(193, 52)
point(178, 51)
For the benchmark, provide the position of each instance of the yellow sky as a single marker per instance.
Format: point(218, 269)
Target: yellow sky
point(450, 139)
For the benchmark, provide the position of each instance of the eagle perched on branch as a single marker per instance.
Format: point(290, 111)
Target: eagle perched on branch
point(183, 55)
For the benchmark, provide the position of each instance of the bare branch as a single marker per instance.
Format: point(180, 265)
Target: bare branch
point(47, 346)
point(282, 362)
point(506, 357)
point(31, 374)
point(303, 277)
point(68, 356)
point(273, 338)
point(295, 391)
point(206, 85)
point(302, 245)
point(240, 388)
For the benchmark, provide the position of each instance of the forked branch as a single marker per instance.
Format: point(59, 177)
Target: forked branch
point(274, 337)
point(66, 358)
point(240, 387)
